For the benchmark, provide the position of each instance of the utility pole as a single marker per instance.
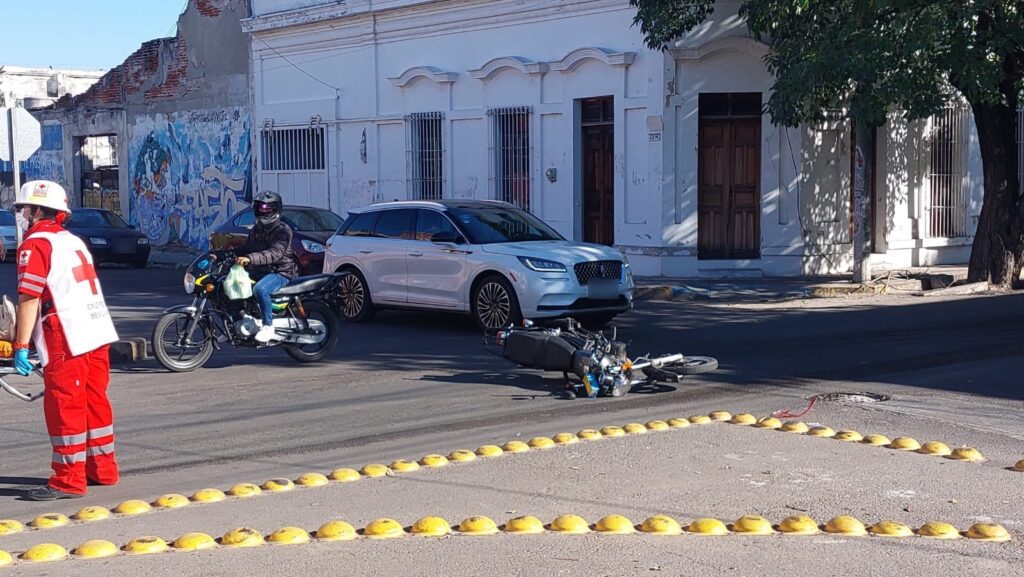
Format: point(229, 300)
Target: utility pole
point(17, 168)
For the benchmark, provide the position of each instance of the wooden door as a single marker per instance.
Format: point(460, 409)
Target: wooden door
point(728, 192)
point(598, 184)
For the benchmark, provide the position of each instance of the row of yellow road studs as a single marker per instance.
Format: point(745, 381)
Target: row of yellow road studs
point(374, 470)
point(386, 528)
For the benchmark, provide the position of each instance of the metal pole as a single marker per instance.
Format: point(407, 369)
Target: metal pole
point(17, 168)
point(862, 176)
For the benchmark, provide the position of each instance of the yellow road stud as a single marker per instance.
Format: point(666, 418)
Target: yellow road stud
point(590, 434)
point(634, 429)
point(823, 432)
point(707, 526)
point(208, 496)
point(904, 444)
point(768, 423)
point(345, 475)
point(891, 529)
point(289, 536)
point(5, 559)
point(244, 490)
point(935, 448)
point(743, 419)
point(849, 436)
point(938, 530)
point(700, 419)
point(1018, 466)
point(145, 546)
point(49, 521)
point(798, 525)
point(613, 431)
point(656, 425)
point(846, 525)
point(752, 525)
point(242, 537)
point(312, 480)
point(336, 531)
point(10, 527)
point(719, 416)
point(525, 525)
point(877, 441)
point(91, 514)
point(487, 451)
point(572, 524)
point(404, 466)
point(384, 529)
point(431, 527)
point(278, 485)
point(171, 501)
point(679, 423)
point(478, 525)
point(541, 443)
point(661, 525)
point(462, 456)
point(434, 461)
point(615, 525)
point(515, 447)
point(43, 553)
point(96, 549)
point(969, 454)
point(374, 470)
point(987, 532)
point(194, 542)
point(566, 439)
point(794, 427)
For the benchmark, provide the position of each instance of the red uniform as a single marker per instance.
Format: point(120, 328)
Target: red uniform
point(72, 336)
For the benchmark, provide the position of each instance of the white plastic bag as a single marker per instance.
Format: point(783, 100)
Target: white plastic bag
point(238, 285)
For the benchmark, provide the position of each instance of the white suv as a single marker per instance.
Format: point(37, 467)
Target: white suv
point(487, 258)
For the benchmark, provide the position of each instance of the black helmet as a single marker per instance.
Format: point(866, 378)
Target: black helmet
point(267, 207)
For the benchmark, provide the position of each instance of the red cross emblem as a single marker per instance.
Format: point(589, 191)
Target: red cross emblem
point(86, 272)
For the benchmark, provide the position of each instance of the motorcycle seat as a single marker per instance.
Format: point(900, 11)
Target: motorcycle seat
point(304, 284)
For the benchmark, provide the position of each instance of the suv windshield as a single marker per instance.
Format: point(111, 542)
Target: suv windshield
point(492, 224)
point(312, 220)
point(95, 219)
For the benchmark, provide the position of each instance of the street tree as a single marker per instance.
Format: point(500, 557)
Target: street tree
point(876, 59)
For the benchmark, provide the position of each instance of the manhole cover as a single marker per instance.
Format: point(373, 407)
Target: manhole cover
point(849, 397)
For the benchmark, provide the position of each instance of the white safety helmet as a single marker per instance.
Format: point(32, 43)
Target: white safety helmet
point(43, 193)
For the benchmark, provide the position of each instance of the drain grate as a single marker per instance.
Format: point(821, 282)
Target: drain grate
point(849, 397)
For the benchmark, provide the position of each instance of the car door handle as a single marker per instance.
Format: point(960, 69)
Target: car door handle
point(365, 251)
point(416, 253)
point(456, 251)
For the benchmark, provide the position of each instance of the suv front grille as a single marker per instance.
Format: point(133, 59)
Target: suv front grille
point(598, 269)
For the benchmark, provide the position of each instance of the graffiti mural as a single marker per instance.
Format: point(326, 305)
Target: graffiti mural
point(46, 164)
point(189, 172)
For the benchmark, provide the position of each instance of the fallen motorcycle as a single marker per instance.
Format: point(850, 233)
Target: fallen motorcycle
point(599, 363)
point(185, 336)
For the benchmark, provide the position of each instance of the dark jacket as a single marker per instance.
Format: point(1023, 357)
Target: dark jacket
point(269, 248)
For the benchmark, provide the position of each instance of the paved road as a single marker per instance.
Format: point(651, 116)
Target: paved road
point(412, 383)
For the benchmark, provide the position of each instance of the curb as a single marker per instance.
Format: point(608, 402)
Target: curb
point(129, 351)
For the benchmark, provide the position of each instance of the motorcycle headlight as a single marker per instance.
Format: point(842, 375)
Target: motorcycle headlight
point(190, 283)
point(98, 241)
point(541, 265)
point(313, 247)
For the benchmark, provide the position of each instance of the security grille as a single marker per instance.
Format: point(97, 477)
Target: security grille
point(289, 149)
point(948, 216)
point(510, 153)
point(598, 269)
point(425, 149)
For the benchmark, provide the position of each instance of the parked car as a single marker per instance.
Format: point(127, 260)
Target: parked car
point(8, 231)
point(109, 237)
point(487, 258)
point(311, 228)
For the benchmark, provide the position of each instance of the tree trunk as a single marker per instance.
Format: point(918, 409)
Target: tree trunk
point(998, 250)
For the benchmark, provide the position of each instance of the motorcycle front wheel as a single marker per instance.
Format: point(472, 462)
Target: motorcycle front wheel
point(176, 355)
point(316, 310)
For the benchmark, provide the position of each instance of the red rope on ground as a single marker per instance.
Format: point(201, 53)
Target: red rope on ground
point(787, 414)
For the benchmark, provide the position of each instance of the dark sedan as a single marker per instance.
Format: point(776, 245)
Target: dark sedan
point(108, 237)
point(312, 227)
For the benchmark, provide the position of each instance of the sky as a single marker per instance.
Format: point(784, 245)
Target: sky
point(81, 34)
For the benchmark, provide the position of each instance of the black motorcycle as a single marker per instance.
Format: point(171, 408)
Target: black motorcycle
point(186, 335)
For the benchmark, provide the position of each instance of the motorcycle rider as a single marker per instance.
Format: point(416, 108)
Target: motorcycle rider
point(268, 251)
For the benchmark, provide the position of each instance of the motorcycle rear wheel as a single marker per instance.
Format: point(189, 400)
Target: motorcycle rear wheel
point(181, 359)
point(314, 353)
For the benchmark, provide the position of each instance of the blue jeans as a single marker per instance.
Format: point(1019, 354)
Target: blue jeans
point(262, 290)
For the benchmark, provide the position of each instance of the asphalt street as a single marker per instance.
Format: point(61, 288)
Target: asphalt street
point(409, 384)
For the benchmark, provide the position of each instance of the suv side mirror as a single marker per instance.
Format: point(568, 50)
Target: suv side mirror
point(446, 237)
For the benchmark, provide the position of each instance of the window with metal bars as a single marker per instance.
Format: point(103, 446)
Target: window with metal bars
point(948, 207)
point(510, 153)
point(286, 149)
point(425, 149)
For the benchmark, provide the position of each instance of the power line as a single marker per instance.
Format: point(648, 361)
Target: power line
point(337, 90)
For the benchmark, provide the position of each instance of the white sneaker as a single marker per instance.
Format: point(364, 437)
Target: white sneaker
point(265, 334)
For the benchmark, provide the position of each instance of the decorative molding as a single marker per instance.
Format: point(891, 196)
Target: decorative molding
point(524, 65)
point(577, 57)
point(740, 44)
point(435, 74)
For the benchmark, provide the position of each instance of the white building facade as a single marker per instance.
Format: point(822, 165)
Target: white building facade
point(558, 106)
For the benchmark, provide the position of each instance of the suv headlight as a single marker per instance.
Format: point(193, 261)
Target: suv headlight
point(97, 241)
point(190, 283)
point(142, 240)
point(313, 247)
point(541, 265)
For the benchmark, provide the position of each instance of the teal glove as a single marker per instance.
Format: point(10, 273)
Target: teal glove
point(21, 362)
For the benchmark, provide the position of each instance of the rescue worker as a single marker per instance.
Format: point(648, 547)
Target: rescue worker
point(61, 308)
